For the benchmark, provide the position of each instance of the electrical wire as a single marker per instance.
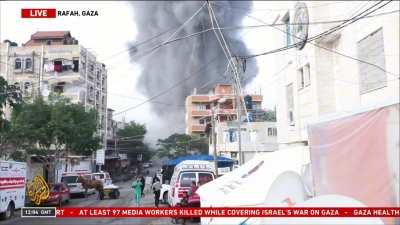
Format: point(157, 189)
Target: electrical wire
point(334, 51)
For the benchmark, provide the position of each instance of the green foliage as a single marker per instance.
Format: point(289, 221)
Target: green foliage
point(180, 145)
point(131, 138)
point(269, 115)
point(55, 124)
point(9, 96)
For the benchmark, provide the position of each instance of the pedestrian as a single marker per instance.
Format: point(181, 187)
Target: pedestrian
point(137, 191)
point(156, 190)
point(143, 184)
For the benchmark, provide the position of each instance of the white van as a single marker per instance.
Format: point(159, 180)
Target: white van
point(186, 172)
point(12, 187)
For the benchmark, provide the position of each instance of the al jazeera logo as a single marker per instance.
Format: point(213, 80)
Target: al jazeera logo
point(38, 190)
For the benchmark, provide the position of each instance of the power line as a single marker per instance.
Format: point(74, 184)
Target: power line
point(329, 31)
point(168, 89)
point(333, 51)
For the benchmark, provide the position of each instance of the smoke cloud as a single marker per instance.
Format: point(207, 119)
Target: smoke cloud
point(172, 63)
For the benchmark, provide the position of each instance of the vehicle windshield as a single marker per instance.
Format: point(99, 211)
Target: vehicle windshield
point(69, 179)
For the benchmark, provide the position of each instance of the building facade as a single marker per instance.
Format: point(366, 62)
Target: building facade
point(319, 80)
point(54, 62)
point(199, 108)
point(256, 137)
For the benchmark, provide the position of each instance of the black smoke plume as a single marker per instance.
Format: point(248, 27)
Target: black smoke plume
point(174, 62)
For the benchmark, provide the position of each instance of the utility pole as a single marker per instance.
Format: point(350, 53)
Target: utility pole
point(238, 112)
point(214, 140)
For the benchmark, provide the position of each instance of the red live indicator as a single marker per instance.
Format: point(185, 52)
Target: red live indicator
point(38, 13)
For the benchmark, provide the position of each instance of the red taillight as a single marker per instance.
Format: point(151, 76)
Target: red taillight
point(182, 190)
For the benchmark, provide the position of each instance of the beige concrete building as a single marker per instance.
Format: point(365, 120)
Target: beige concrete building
point(319, 82)
point(199, 106)
point(54, 62)
point(256, 137)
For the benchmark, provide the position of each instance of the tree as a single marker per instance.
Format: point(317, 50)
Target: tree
point(10, 96)
point(269, 115)
point(181, 144)
point(131, 138)
point(56, 124)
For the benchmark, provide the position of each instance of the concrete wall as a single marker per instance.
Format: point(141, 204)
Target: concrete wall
point(334, 79)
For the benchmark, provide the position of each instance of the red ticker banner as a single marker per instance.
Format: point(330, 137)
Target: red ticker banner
point(228, 212)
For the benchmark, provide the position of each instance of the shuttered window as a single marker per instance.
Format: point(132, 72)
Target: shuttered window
point(371, 49)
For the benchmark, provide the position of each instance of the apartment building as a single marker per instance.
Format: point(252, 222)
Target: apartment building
point(221, 99)
point(53, 61)
point(319, 80)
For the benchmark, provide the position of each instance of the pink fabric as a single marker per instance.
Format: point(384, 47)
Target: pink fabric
point(349, 157)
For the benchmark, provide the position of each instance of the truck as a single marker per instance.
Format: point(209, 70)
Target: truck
point(12, 187)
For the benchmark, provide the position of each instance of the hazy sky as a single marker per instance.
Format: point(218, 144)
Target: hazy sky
point(107, 36)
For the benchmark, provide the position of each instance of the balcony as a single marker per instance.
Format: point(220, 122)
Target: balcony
point(226, 111)
point(201, 113)
point(199, 128)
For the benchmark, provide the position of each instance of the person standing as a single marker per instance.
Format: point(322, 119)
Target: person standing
point(156, 189)
point(143, 184)
point(137, 191)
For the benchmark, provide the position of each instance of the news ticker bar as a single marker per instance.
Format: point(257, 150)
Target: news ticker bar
point(96, 212)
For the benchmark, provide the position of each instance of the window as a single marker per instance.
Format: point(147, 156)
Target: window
point(187, 178)
point(306, 75)
point(27, 88)
point(59, 88)
point(48, 42)
point(290, 103)
point(272, 131)
point(28, 64)
point(200, 107)
point(201, 121)
point(75, 62)
point(232, 135)
point(371, 49)
point(286, 21)
point(18, 64)
point(303, 76)
point(300, 78)
point(58, 66)
point(205, 178)
point(253, 136)
point(91, 68)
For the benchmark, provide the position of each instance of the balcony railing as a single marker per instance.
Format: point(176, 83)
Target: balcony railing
point(206, 112)
point(198, 128)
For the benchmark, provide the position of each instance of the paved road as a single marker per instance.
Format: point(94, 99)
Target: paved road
point(125, 200)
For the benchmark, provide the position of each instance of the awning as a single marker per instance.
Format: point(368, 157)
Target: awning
point(222, 161)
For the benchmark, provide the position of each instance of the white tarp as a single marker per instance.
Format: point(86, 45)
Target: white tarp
point(249, 184)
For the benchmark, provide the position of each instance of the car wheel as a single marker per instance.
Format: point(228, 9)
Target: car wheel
point(9, 212)
point(165, 197)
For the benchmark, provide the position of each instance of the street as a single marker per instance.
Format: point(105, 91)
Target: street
point(125, 200)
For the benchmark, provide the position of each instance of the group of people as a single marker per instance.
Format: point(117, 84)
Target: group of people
point(138, 188)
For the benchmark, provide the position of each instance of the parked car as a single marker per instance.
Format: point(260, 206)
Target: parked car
point(164, 193)
point(186, 172)
point(75, 187)
point(59, 194)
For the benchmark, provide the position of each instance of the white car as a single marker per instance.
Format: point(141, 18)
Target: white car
point(164, 193)
point(75, 187)
point(184, 174)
